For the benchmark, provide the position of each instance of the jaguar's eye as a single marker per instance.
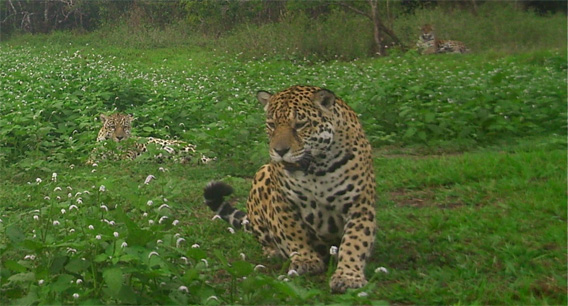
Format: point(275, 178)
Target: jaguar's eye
point(270, 125)
point(300, 124)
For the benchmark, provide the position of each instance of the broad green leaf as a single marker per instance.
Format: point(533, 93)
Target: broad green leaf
point(113, 279)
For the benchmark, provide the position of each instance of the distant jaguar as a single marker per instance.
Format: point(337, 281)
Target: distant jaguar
point(118, 126)
point(429, 44)
point(318, 190)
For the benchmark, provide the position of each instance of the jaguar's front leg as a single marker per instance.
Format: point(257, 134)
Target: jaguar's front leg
point(356, 247)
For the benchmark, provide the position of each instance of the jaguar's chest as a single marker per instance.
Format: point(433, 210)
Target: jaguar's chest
point(322, 201)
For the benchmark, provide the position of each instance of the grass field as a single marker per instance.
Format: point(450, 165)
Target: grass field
point(470, 156)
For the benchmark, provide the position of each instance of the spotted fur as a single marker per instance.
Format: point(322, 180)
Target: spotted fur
point(117, 127)
point(317, 191)
point(429, 44)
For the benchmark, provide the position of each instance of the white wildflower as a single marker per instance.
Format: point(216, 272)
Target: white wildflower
point(38, 180)
point(79, 281)
point(205, 262)
point(47, 198)
point(184, 259)
point(144, 215)
point(63, 211)
point(195, 246)
point(40, 282)
point(151, 222)
point(75, 295)
point(115, 234)
point(183, 288)
point(179, 241)
point(381, 270)
point(55, 223)
point(102, 188)
point(150, 202)
point(123, 245)
point(162, 169)
point(104, 207)
point(243, 256)
point(72, 230)
point(258, 267)
point(54, 177)
point(333, 250)
point(231, 230)
point(212, 298)
point(148, 179)
point(36, 217)
point(73, 206)
point(163, 206)
point(30, 257)
point(91, 227)
point(293, 272)
point(57, 189)
point(153, 253)
point(98, 237)
point(176, 222)
point(71, 250)
point(362, 294)
point(162, 219)
point(79, 201)
point(216, 217)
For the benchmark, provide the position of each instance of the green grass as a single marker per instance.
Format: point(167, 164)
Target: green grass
point(485, 227)
point(470, 161)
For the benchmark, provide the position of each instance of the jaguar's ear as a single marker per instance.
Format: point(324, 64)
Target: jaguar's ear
point(103, 118)
point(263, 97)
point(130, 118)
point(324, 98)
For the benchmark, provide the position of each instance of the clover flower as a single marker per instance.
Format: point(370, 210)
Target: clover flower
point(381, 270)
point(163, 206)
point(47, 198)
point(258, 267)
point(91, 227)
point(98, 237)
point(333, 250)
point(73, 206)
point(36, 217)
point(57, 189)
point(63, 211)
point(55, 223)
point(162, 219)
point(293, 272)
point(75, 295)
point(38, 180)
point(115, 234)
point(153, 253)
point(40, 282)
point(102, 188)
point(148, 179)
point(195, 246)
point(175, 222)
point(123, 245)
point(79, 281)
point(79, 201)
point(183, 289)
point(179, 241)
point(150, 202)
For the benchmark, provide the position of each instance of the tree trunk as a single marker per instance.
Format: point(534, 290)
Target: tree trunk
point(377, 35)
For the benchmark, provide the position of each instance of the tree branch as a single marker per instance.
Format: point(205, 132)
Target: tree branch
point(356, 10)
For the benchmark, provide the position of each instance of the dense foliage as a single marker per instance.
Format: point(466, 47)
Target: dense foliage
point(52, 98)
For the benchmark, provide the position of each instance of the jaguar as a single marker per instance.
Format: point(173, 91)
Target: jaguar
point(316, 194)
point(117, 127)
point(429, 44)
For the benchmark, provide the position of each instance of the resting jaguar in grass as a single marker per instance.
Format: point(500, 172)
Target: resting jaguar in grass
point(317, 191)
point(117, 127)
point(429, 44)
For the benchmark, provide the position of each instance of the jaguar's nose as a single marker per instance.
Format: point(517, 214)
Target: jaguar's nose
point(282, 152)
